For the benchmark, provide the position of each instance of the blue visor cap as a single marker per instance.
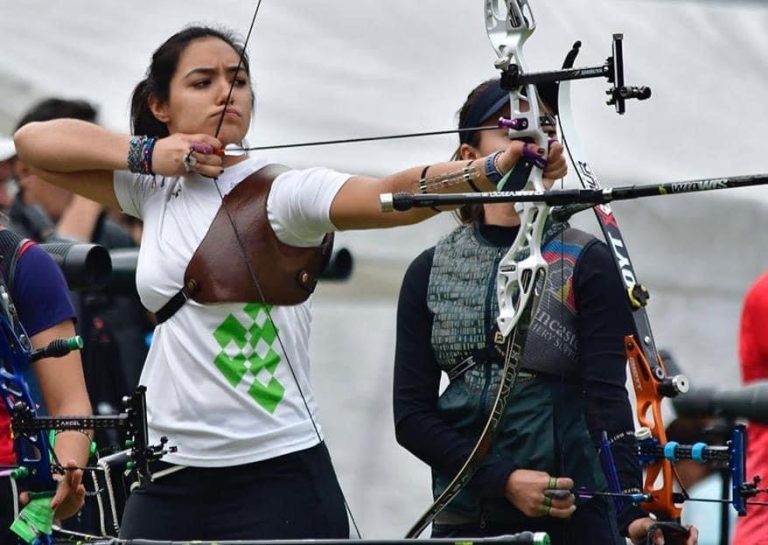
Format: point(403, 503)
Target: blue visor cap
point(492, 99)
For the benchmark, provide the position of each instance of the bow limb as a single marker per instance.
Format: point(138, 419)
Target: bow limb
point(514, 344)
point(649, 377)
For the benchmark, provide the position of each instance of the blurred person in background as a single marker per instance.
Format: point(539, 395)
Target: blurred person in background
point(753, 353)
point(114, 326)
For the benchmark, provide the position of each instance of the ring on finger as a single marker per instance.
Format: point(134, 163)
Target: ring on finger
point(547, 502)
point(552, 482)
point(190, 161)
point(545, 509)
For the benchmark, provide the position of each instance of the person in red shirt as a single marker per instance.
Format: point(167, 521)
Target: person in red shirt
point(753, 353)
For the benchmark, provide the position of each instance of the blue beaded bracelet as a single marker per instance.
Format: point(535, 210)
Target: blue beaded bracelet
point(140, 150)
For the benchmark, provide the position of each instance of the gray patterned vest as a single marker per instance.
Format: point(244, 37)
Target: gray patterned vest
point(545, 416)
point(462, 297)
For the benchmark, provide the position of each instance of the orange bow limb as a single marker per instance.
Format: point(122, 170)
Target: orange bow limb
point(650, 389)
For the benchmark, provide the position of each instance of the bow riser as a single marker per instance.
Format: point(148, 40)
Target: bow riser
point(509, 25)
point(517, 281)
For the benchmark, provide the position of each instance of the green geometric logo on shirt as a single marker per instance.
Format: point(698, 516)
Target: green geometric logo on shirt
point(247, 353)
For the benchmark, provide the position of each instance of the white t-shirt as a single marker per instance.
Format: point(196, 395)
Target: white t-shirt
point(218, 379)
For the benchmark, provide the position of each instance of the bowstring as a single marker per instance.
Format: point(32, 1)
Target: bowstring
point(252, 273)
point(365, 139)
point(565, 529)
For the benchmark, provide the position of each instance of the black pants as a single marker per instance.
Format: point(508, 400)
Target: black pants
point(296, 496)
point(9, 498)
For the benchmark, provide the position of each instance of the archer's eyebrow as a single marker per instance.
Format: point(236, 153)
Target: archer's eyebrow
point(209, 71)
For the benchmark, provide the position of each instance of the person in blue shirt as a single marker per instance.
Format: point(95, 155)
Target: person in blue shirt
point(39, 292)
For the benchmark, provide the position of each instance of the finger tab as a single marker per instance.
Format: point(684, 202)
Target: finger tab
point(206, 149)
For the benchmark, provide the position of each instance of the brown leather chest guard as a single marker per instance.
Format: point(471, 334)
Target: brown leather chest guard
point(218, 272)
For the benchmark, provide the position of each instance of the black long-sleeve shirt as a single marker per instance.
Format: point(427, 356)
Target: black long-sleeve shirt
point(603, 319)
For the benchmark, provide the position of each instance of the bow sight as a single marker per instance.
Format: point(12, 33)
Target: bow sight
point(133, 420)
point(513, 78)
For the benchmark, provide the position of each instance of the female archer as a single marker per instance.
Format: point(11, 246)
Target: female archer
point(227, 375)
point(570, 383)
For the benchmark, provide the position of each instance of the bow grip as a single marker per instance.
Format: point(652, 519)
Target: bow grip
point(518, 177)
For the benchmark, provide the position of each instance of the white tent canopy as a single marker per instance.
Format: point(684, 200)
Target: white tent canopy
point(352, 68)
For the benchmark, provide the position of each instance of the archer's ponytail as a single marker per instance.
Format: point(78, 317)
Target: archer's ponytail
point(143, 121)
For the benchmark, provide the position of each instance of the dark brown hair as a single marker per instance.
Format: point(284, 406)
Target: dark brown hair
point(475, 213)
point(57, 108)
point(157, 82)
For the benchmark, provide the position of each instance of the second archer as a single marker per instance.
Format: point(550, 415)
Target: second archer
point(570, 387)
